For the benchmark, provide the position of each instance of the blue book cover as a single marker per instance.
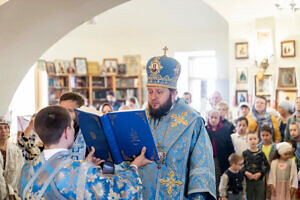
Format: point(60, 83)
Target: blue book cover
point(91, 128)
point(118, 136)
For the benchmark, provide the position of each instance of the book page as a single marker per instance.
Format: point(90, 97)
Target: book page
point(90, 110)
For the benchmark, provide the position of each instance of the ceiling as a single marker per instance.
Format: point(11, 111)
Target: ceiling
point(154, 17)
point(238, 10)
point(2, 2)
point(242, 10)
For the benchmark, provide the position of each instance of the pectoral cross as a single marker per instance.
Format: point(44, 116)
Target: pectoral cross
point(165, 50)
point(162, 156)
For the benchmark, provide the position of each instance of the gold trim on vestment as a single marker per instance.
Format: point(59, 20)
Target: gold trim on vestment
point(170, 182)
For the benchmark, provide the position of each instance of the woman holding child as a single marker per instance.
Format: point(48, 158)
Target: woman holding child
point(258, 116)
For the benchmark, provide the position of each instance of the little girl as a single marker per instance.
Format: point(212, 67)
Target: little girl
point(283, 178)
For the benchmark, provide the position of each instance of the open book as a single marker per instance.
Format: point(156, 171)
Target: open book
point(117, 136)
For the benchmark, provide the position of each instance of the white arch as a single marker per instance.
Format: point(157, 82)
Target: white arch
point(28, 28)
point(31, 27)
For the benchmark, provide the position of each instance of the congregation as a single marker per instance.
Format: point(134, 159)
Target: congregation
point(262, 144)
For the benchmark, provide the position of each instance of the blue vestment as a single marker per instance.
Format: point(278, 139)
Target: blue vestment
point(79, 148)
point(188, 168)
point(63, 178)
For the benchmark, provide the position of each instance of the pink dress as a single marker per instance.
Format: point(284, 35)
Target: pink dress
point(284, 180)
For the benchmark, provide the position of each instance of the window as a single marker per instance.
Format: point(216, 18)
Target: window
point(199, 71)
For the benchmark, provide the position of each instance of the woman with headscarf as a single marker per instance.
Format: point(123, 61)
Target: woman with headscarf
point(11, 162)
point(259, 116)
point(106, 108)
point(133, 103)
point(285, 110)
point(221, 143)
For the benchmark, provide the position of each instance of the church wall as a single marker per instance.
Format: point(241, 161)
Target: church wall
point(283, 28)
point(184, 26)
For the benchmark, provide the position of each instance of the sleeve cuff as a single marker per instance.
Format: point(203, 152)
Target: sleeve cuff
point(134, 166)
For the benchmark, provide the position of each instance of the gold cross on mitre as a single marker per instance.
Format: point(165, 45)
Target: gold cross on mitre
point(170, 182)
point(165, 50)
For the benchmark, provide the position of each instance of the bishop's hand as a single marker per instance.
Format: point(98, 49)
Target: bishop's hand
point(141, 160)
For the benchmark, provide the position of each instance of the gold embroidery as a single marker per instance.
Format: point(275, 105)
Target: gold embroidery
point(28, 196)
point(142, 116)
point(159, 78)
point(170, 182)
point(147, 113)
point(179, 119)
point(93, 135)
point(36, 161)
point(161, 85)
point(155, 66)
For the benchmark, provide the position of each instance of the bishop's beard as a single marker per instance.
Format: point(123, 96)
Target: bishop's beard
point(162, 110)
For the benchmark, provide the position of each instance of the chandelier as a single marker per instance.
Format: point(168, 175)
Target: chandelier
point(292, 5)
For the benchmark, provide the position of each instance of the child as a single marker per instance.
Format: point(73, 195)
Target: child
point(294, 130)
point(233, 185)
point(293, 157)
point(244, 109)
point(256, 166)
point(239, 139)
point(294, 135)
point(267, 146)
point(283, 174)
point(297, 161)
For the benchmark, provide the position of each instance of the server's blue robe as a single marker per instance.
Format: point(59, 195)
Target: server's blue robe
point(63, 178)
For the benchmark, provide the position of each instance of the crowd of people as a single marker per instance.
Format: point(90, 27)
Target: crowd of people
point(256, 156)
point(112, 104)
point(253, 157)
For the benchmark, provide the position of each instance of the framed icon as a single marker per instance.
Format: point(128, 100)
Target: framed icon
point(241, 96)
point(111, 65)
point(287, 77)
point(241, 50)
point(81, 66)
point(288, 48)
